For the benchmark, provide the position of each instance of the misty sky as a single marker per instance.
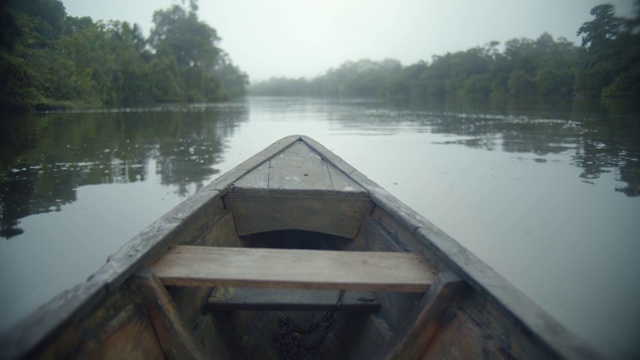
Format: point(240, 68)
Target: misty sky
point(304, 38)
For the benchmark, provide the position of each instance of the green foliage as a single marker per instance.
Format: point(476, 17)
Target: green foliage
point(603, 29)
point(608, 64)
point(41, 21)
point(191, 41)
point(626, 84)
point(53, 60)
point(612, 59)
point(186, 51)
point(552, 83)
point(9, 30)
point(74, 24)
point(230, 77)
point(165, 78)
point(527, 68)
point(17, 90)
point(520, 84)
point(56, 77)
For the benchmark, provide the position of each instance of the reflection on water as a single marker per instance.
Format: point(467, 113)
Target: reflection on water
point(603, 135)
point(599, 145)
point(46, 157)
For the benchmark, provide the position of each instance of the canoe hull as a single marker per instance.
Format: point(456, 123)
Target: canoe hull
point(126, 311)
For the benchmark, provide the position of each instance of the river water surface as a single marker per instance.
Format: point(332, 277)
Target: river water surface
point(546, 192)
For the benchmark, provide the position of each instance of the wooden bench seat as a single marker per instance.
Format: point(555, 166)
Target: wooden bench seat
point(294, 269)
point(226, 298)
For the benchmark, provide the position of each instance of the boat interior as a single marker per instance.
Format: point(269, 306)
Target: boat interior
point(278, 284)
point(304, 265)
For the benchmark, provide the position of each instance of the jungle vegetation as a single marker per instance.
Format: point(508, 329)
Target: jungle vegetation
point(51, 60)
point(606, 64)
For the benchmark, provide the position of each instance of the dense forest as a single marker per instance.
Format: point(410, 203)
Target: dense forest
point(606, 64)
point(51, 60)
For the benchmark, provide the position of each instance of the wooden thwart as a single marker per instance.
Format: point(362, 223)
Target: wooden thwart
point(411, 341)
point(300, 269)
point(174, 336)
point(226, 298)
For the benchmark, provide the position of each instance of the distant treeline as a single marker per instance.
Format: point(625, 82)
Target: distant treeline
point(51, 60)
point(607, 64)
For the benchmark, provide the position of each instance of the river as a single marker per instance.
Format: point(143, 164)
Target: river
point(546, 192)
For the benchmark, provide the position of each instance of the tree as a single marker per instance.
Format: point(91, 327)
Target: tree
point(9, 30)
point(192, 42)
point(527, 68)
point(520, 84)
point(204, 72)
point(41, 21)
point(612, 63)
point(48, 59)
point(232, 80)
point(601, 30)
point(74, 24)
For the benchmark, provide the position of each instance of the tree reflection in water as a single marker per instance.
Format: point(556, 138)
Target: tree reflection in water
point(44, 158)
point(603, 134)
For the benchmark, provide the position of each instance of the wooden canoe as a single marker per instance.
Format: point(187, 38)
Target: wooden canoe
point(290, 240)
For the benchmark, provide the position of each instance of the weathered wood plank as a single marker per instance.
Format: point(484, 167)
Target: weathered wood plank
point(189, 301)
point(342, 183)
point(175, 338)
point(299, 168)
point(478, 324)
point(461, 338)
point(328, 155)
point(384, 235)
point(334, 215)
point(256, 179)
point(130, 335)
point(423, 323)
point(302, 269)
point(227, 298)
point(225, 180)
point(298, 190)
point(362, 337)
